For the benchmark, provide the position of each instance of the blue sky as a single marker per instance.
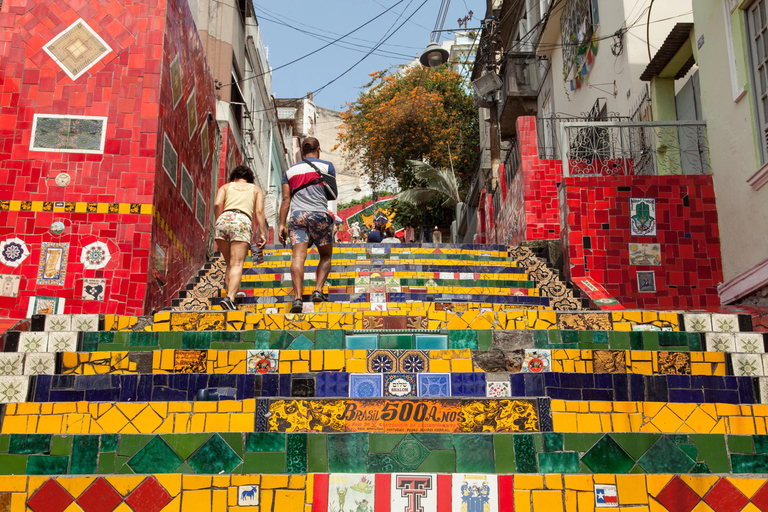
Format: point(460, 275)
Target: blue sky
point(309, 21)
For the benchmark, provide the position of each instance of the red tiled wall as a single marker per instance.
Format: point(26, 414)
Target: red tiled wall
point(176, 229)
point(124, 87)
point(230, 154)
point(690, 243)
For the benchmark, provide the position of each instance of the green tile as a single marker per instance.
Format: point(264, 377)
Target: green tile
point(637, 470)
point(636, 443)
point(85, 452)
point(383, 463)
point(690, 450)
point(619, 340)
point(47, 465)
point(5, 440)
point(131, 444)
point(461, 339)
point(525, 454)
point(666, 457)
point(13, 464)
point(740, 444)
point(317, 449)
point(540, 339)
point(106, 464)
point(265, 442)
point(183, 444)
point(435, 441)
point(568, 336)
point(396, 341)
point(600, 337)
point(171, 340)
point(484, 339)
point(554, 336)
point(585, 337)
point(61, 445)
point(761, 443)
point(29, 443)
point(410, 452)
point(700, 468)
point(90, 341)
point(234, 440)
point(225, 336)
point(650, 338)
point(563, 462)
point(580, 442)
point(694, 342)
point(474, 453)
point(384, 443)
point(264, 462)
point(347, 453)
point(743, 463)
point(296, 453)
point(109, 442)
point(553, 442)
point(504, 453)
point(606, 456)
point(280, 340)
point(215, 457)
point(636, 340)
point(439, 461)
point(196, 340)
point(217, 345)
point(155, 457)
point(143, 339)
point(667, 339)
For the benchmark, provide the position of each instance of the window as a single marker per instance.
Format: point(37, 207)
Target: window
point(757, 28)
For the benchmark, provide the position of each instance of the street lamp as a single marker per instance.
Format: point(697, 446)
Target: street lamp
point(434, 56)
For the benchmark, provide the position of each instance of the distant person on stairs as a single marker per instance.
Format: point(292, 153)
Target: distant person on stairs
point(236, 205)
point(391, 237)
point(310, 221)
point(437, 236)
point(377, 234)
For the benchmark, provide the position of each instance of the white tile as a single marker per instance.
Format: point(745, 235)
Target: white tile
point(62, 342)
point(36, 363)
point(763, 390)
point(13, 389)
point(58, 322)
point(697, 322)
point(88, 323)
point(11, 363)
point(720, 342)
point(747, 365)
point(33, 341)
point(725, 323)
point(750, 342)
point(498, 389)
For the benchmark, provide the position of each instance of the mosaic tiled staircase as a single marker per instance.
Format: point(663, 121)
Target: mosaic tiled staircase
point(407, 406)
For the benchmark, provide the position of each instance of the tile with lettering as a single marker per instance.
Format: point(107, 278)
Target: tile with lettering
point(413, 492)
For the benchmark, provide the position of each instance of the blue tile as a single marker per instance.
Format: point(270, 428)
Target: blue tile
point(517, 381)
point(605, 395)
point(564, 393)
point(93, 382)
point(332, 384)
point(534, 384)
point(636, 387)
point(577, 380)
point(620, 387)
point(102, 395)
point(724, 396)
point(605, 380)
point(552, 379)
point(42, 388)
point(270, 385)
point(747, 390)
point(285, 384)
point(431, 342)
point(366, 385)
point(679, 381)
point(434, 384)
point(361, 342)
point(66, 395)
point(166, 394)
point(468, 384)
point(685, 395)
point(656, 388)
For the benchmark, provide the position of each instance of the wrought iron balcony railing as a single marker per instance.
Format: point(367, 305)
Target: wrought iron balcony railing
point(612, 148)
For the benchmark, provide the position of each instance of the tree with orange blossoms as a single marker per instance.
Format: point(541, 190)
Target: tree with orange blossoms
point(411, 114)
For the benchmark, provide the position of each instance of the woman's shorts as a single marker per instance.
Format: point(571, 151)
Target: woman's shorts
point(234, 227)
point(312, 228)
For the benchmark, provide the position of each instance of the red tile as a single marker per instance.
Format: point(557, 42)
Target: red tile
point(150, 496)
point(99, 497)
point(51, 497)
point(677, 496)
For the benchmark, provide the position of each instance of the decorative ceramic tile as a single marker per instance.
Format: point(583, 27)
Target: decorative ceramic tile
point(68, 134)
point(606, 496)
point(332, 384)
point(749, 342)
point(45, 306)
point(697, 322)
point(204, 143)
point(190, 361)
point(33, 341)
point(763, 381)
point(747, 365)
point(39, 363)
point(363, 385)
point(262, 361)
point(609, 361)
point(201, 209)
point(717, 342)
point(52, 268)
point(187, 186)
point(498, 389)
point(176, 84)
point(415, 492)
point(95, 255)
point(381, 361)
point(674, 363)
point(86, 323)
point(248, 495)
point(77, 49)
point(93, 288)
point(192, 113)
point(399, 385)
point(725, 323)
point(474, 493)
point(9, 285)
point(645, 254)
point(13, 251)
point(62, 342)
point(646, 282)
point(58, 323)
point(13, 389)
point(170, 159)
point(378, 298)
point(413, 361)
point(434, 384)
point(379, 306)
point(350, 491)
point(537, 361)
point(642, 216)
point(11, 363)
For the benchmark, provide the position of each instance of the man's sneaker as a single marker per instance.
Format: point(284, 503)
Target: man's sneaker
point(319, 297)
point(297, 306)
point(226, 303)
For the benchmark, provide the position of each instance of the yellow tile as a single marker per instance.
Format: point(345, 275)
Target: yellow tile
point(196, 501)
point(588, 423)
point(701, 484)
point(113, 421)
point(194, 482)
point(605, 423)
point(522, 501)
point(631, 489)
point(547, 501)
point(586, 501)
point(620, 422)
point(529, 482)
point(179, 407)
point(301, 367)
point(558, 405)
point(605, 479)
point(656, 483)
point(356, 366)
point(742, 425)
point(274, 481)
point(216, 422)
point(600, 406)
point(571, 501)
point(49, 424)
point(249, 405)
point(171, 483)
point(748, 486)
point(289, 500)
point(147, 421)
point(125, 484)
point(682, 410)
point(13, 483)
point(553, 481)
point(439, 366)
point(205, 407)
point(316, 360)
point(220, 499)
point(578, 482)
point(461, 365)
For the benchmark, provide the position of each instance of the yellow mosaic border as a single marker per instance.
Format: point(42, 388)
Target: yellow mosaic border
point(76, 207)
